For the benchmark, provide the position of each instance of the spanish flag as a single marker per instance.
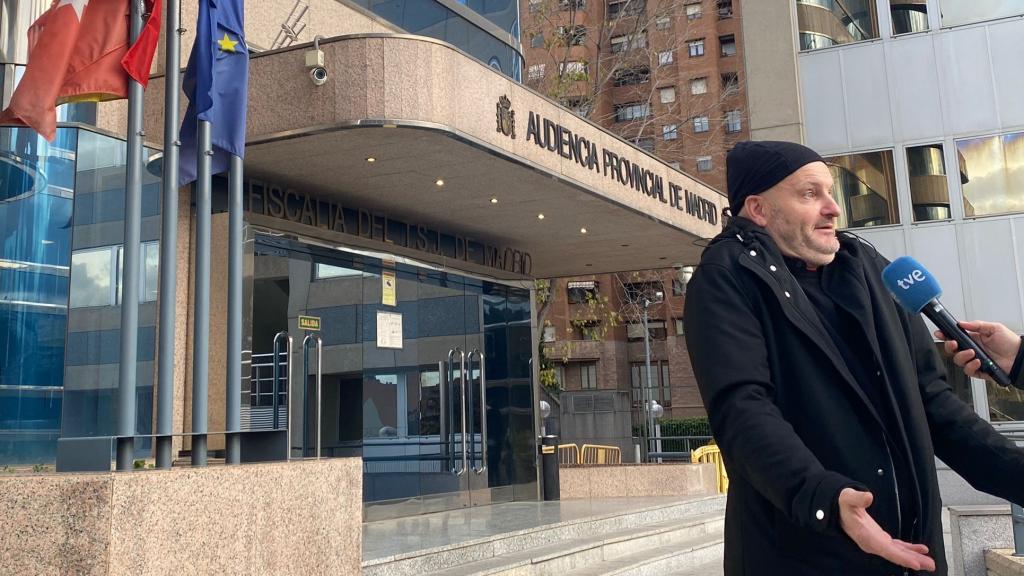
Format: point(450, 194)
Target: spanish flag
point(79, 52)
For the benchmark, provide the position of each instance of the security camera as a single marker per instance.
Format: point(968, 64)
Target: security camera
point(318, 75)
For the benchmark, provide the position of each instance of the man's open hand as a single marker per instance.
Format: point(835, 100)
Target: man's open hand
point(869, 536)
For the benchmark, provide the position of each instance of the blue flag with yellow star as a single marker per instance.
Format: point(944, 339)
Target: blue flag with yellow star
point(216, 83)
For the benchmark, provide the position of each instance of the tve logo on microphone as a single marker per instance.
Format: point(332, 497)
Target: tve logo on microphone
point(910, 283)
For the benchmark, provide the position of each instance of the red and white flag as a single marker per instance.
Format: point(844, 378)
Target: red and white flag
point(79, 52)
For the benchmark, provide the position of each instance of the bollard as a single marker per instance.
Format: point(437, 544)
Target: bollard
point(1017, 516)
point(549, 465)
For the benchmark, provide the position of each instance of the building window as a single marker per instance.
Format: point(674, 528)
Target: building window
point(664, 58)
point(733, 121)
point(663, 23)
point(700, 124)
point(696, 47)
point(724, 9)
point(573, 71)
point(730, 83)
point(550, 334)
point(992, 181)
point(536, 6)
point(581, 105)
point(645, 143)
point(624, 8)
point(698, 86)
point(572, 4)
point(535, 71)
point(929, 193)
point(693, 12)
point(678, 288)
point(659, 390)
point(865, 189)
point(537, 40)
point(631, 111)
point(581, 292)
point(667, 95)
point(588, 375)
point(957, 12)
point(680, 330)
point(670, 131)
point(728, 45)
point(628, 42)
point(572, 35)
point(587, 329)
point(96, 275)
point(824, 23)
point(704, 164)
point(655, 329)
point(632, 76)
point(908, 17)
point(675, 165)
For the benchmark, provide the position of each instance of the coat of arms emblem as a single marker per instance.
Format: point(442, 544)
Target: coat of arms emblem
point(506, 117)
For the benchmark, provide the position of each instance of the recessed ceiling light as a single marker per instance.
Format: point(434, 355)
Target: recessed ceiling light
point(439, 182)
point(371, 159)
point(662, 258)
point(540, 216)
point(583, 230)
point(588, 265)
point(494, 200)
point(47, 242)
point(624, 245)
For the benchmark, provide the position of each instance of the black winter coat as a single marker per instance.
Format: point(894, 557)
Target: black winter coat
point(795, 427)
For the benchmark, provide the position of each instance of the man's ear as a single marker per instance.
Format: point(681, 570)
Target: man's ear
point(756, 208)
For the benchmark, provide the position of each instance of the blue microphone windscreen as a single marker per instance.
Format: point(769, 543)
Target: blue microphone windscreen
point(910, 283)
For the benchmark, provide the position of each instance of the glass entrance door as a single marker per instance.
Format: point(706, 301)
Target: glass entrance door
point(421, 374)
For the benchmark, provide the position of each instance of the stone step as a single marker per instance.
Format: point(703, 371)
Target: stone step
point(558, 547)
point(714, 568)
point(558, 558)
point(689, 554)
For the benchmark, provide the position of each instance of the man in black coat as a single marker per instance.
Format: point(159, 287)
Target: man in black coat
point(828, 401)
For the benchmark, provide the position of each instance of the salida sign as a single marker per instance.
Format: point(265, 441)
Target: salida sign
point(618, 167)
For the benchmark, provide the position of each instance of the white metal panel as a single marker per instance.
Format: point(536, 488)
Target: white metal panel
point(991, 271)
point(1007, 52)
point(965, 74)
point(935, 247)
point(1017, 324)
point(868, 117)
point(917, 110)
point(889, 241)
point(821, 91)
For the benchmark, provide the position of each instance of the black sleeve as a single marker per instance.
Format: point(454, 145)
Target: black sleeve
point(984, 457)
point(730, 361)
point(1017, 371)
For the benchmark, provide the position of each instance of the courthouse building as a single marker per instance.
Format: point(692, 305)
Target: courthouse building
point(401, 211)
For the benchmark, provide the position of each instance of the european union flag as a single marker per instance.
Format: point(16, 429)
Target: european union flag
point(216, 83)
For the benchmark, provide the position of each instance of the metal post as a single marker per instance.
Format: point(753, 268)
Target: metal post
point(168, 240)
point(233, 417)
point(126, 410)
point(648, 417)
point(201, 324)
point(1017, 516)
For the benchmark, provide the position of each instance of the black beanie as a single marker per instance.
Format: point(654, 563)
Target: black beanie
point(755, 166)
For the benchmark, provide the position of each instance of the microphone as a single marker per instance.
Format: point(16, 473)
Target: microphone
point(917, 291)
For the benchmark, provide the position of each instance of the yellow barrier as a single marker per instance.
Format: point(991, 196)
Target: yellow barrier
point(711, 454)
point(596, 454)
point(568, 454)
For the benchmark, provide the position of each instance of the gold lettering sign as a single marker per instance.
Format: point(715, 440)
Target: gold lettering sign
point(309, 323)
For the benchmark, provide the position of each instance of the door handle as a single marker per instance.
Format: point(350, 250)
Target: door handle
point(462, 401)
point(483, 412)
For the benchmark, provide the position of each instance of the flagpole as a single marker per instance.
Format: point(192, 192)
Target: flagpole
point(168, 238)
point(234, 351)
point(126, 409)
point(201, 319)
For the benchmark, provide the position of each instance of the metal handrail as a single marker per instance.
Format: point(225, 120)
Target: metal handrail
point(319, 374)
point(483, 412)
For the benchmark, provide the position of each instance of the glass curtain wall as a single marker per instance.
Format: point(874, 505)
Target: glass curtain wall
point(92, 355)
point(36, 196)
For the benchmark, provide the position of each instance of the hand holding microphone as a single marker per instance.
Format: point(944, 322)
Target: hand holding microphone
point(916, 290)
point(1000, 342)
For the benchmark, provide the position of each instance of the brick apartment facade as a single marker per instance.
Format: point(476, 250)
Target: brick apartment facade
point(666, 75)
